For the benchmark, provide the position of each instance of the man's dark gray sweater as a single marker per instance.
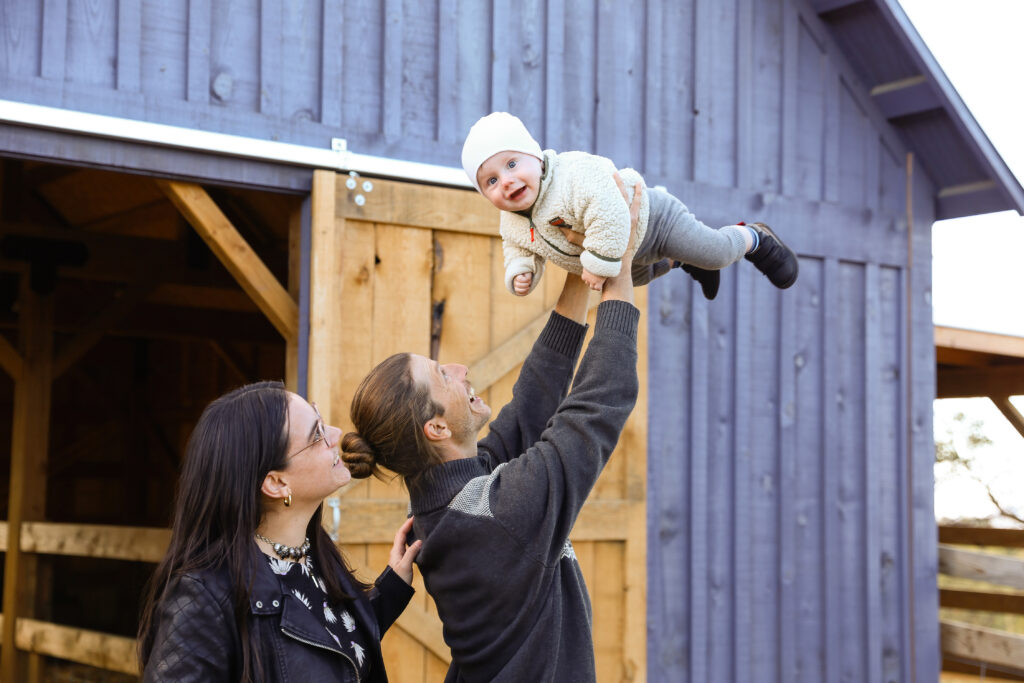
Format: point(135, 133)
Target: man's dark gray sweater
point(496, 556)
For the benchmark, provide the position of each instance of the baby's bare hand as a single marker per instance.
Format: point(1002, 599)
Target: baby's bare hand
point(595, 282)
point(521, 283)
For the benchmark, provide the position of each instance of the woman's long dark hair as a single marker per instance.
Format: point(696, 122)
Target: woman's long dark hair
point(239, 438)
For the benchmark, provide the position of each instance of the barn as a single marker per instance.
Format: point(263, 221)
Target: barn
point(199, 193)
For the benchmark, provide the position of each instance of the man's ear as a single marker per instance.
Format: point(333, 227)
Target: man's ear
point(274, 485)
point(436, 429)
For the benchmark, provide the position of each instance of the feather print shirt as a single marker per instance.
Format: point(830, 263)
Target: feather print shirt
point(304, 584)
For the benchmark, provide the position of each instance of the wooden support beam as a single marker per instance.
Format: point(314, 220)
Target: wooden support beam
point(913, 95)
point(1010, 412)
point(101, 650)
point(235, 253)
point(337, 284)
point(945, 356)
point(229, 362)
point(197, 296)
point(504, 358)
point(416, 206)
point(141, 544)
point(363, 520)
point(291, 356)
point(968, 535)
point(975, 643)
point(957, 671)
point(633, 445)
point(973, 382)
point(370, 520)
point(29, 448)
point(981, 342)
point(823, 6)
point(981, 600)
point(426, 628)
point(968, 564)
point(10, 359)
point(967, 188)
point(121, 258)
point(98, 327)
point(422, 625)
point(983, 196)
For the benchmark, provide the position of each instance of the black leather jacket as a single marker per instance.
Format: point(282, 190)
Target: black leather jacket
point(197, 639)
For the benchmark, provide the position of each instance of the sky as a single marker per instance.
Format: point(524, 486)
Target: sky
point(978, 262)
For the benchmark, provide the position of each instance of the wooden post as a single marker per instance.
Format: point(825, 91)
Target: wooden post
point(634, 641)
point(29, 449)
point(328, 287)
point(291, 358)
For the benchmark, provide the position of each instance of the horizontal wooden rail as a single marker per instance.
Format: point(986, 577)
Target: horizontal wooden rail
point(362, 521)
point(1009, 603)
point(967, 535)
point(141, 544)
point(418, 206)
point(101, 650)
point(976, 643)
point(967, 564)
point(376, 520)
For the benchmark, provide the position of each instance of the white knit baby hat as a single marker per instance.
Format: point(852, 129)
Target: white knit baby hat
point(497, 132)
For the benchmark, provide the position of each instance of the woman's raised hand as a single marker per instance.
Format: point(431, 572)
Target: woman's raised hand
point(401, 557)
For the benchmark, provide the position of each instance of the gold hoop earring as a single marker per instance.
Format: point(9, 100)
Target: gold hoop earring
point(288, 501)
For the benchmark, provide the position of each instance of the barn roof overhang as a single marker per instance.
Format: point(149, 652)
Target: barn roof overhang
point(916, 97)
point(971, 363)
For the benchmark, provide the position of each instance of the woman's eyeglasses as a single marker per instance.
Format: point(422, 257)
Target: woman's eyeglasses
point(319, 434)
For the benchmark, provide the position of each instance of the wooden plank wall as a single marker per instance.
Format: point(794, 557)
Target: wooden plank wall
point(790, 455)
point(381, 274)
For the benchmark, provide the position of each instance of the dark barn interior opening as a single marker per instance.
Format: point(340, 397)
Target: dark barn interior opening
point(127, 325)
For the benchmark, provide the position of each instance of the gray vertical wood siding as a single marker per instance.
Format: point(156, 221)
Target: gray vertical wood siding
point(791, 533)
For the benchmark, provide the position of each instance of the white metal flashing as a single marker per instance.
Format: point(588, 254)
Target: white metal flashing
point(338, 158)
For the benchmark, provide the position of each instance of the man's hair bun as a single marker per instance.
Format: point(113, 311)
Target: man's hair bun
point(358, 456)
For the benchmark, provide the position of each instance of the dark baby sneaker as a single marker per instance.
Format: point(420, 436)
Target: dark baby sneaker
point(708, 279)
point(773, 257)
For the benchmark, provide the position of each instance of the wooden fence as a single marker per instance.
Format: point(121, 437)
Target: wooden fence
point(968, 647)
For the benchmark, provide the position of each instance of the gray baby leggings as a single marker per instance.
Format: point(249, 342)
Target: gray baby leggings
point(675, 233)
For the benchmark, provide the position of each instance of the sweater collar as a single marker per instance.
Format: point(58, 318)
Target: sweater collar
point(440, 483)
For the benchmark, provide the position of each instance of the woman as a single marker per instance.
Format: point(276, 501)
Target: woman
point(494, 516)
point(252, 588)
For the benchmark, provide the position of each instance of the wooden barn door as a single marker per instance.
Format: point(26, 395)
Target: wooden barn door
point(406, 267)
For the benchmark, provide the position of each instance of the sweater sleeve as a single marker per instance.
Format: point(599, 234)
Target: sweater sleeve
point(537, 393)
point(194, 638)
point(538, 496)
point(598, 205)
point(519, 261)
point(389, 598)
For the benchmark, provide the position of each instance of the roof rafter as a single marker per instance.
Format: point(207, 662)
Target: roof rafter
point(913, 95)
point(822, 6)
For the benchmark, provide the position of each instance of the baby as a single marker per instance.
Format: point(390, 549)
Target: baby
point(545, 197)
